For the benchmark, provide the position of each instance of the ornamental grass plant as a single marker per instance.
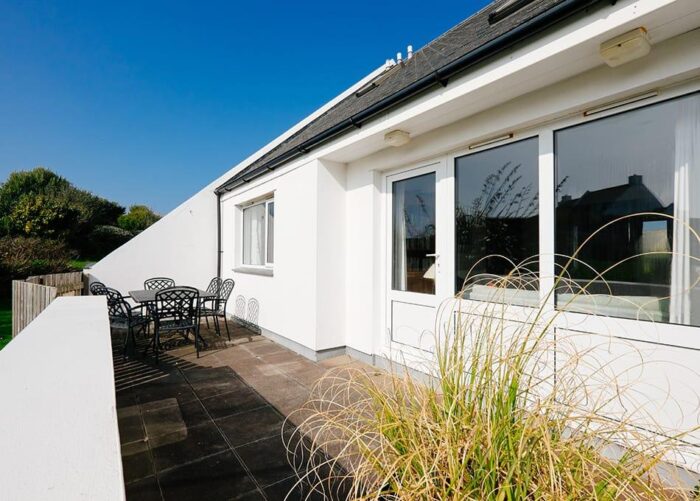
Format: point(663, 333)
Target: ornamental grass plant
point(504, 408)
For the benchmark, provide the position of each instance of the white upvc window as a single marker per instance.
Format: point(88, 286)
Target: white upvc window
point(259, 233)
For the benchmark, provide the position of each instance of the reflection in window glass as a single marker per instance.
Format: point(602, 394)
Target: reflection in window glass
point(254, 235)
point(271, 232)
point(413, 234)
point(496, 202)
point(644, 162)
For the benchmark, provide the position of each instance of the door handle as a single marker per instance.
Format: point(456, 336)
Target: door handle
point(433, 255)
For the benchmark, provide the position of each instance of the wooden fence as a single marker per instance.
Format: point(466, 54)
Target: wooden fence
point(30, 297)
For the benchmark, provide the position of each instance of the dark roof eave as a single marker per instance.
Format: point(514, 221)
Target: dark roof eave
point(440, 76)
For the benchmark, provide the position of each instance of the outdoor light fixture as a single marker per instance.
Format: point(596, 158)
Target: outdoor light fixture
point(491, 140)
point(620, 103)
point(397, 138)
point(626, 47)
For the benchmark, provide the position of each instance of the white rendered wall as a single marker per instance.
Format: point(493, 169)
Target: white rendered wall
point(287, 299)
point(331, 255)
point(59, 437)
point(302, 295)
point(365, 292)
point(182, 246)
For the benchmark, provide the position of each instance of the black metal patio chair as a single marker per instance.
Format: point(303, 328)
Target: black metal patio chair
point(98, 289)
point(175, 310)
point(122, 315)
point(213, 288)
point(158, 283)
point(216, 308)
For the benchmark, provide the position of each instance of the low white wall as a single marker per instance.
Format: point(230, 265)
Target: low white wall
point(59, 437)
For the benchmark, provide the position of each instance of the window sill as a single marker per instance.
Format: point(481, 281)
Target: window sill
point(252, 270)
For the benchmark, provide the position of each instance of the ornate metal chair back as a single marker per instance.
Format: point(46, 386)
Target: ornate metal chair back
point(117, 306)
point(180, 303)
point(158, 283)
point(98, 289)
point(214, 285)
point(224, 293)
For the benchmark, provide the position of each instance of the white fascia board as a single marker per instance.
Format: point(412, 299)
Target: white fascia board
point(573, 47)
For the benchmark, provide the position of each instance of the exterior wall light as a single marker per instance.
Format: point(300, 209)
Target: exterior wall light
point(626, 47)
point(397, 138)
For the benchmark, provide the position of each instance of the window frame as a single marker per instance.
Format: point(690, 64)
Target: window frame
point(537, 133)
point(545, 130)
point(265, 202)
point(562, 125)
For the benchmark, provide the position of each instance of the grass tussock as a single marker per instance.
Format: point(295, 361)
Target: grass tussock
point(498, 417)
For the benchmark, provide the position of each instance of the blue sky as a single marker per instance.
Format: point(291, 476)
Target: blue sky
point(146, 102)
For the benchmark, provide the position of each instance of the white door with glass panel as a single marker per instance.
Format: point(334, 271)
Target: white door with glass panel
point(414, 275)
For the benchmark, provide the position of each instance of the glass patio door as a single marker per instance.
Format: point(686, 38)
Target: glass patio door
point(413, 259)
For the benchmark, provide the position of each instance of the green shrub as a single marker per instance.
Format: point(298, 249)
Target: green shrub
point(137, 219)
point(104, 239)
point(21, 257)
point(39, 203)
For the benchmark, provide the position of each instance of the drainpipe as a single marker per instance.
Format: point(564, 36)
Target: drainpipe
point(218, 235)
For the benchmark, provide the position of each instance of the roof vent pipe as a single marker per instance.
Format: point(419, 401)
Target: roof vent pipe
point(409, 52)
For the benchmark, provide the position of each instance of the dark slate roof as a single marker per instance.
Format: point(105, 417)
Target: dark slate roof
point(473, 33)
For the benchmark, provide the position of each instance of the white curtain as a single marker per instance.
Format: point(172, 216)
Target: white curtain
point(686, 211)
point(254, 235)
point(399, 217)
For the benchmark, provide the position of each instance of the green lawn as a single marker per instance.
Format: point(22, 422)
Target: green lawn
point(5, 323)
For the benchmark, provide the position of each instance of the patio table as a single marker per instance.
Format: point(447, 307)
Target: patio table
point(149, 296)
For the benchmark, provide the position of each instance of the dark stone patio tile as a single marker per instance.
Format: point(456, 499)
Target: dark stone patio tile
point(290, 489)
point(267, 460)
point(171, 386)
point(226, 404)
point(137, 464)
point(197, 373)
point(246, 427)
point(216, 383)
point(130, 425)
point(215, 477)
point(186, 445)
point(126, 398)
point(286, 489)
point(168, 416)
point(251, 496)
point(144, 490)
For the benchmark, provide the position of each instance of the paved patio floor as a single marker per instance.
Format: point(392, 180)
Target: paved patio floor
point(211, 428)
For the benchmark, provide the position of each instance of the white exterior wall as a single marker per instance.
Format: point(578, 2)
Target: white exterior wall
point(668, 379)
point(287, 299)
point(182, 246)
point(365, 292)
point(302, 296)
point(331, 255)
point(328, 284)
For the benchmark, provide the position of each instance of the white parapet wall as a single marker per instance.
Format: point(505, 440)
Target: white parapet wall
point(59, 437)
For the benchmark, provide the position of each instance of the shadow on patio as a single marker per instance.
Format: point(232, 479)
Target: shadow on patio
point(211, 428)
